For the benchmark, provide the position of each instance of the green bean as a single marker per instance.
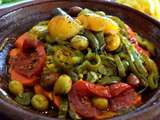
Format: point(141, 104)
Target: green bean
point(153, 70)
point(153, 81)
point(123, 55)
point(105, 70)
point(88, 65)
point(73, 75)
point(94, 58)
point(92, 40)
point(81, 68)
point(92, 62)
point(135, 71)
point(73, 114)
point(109, 80)
point(120, 66)
point(146, 44)
point(125, 64)
point(139, 65)
point(24, 98)
point(108, 60)
point(63, 108)
point(92, 77)
point(102, 70)
point(135, 57)
point(150, 65)
point(115, 79)
point(100, 37)
point(49, 49)
point(121, 24)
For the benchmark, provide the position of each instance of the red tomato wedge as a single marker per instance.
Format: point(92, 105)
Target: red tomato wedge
point(20, 40)
point(119, 88)
point(24, 80)
point(30, 60)
point(123, 101)
point(120, 95)
point(81, 103)
point(80, 97)
point(14, 52)
point(94, 89)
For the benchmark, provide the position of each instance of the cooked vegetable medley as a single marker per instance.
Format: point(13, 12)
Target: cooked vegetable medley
point(82, 64)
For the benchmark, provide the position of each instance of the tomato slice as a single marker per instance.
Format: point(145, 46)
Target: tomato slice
point(119, 88)
point(123, 101)
point(24, 80)
point(120, 95)
point(94, 89)
point(20, 41)
point(80, 97)
point(81, 103)
point(14, 52)
point(31, 58)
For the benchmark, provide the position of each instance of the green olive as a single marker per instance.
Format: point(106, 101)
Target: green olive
point(15, 87)
point(100, 103)
point(39, 102)
point(79, 42)
point(112, 42)
point(63, 84)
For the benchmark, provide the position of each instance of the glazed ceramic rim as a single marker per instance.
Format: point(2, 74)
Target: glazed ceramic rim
point(19, 112)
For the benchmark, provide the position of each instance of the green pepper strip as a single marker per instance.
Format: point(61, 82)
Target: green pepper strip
point(63, 108)
point(109, 80)
point(146, 44)
point(135, 57)
point(87, 64)
point(121, 24)
point(120, 66)
point(74, 115)
point(153, 70)
point(135, 71)
point(100, 37)
point(92, 40)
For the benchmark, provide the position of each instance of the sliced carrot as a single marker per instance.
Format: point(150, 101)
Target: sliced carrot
point(24, 80)
point(51, 96)
point(13, 52)
point(39, 90)
point(105, 115)
point(138, 100)
point(56, 100)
